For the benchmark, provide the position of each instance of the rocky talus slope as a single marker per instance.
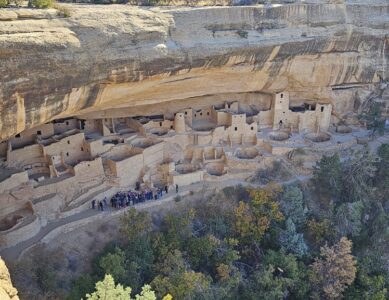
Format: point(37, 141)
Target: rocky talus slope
point(136, 60)
point(7, 291)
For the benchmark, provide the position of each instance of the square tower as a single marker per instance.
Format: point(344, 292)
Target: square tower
point(281, 110)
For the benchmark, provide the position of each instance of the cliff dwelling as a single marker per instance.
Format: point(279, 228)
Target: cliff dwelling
point(55, 166)
point(238, 141)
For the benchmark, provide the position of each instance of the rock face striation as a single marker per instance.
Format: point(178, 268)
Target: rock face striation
point(121, 59)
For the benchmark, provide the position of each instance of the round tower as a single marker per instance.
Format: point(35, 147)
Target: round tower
point(179, 122)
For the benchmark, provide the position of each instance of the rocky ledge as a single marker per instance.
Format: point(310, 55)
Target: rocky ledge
point(135, 60)
point(7, 291)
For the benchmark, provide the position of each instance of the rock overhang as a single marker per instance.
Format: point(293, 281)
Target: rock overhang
point(102, 58)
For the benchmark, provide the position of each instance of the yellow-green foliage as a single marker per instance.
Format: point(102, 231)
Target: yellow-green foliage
point(3, 3)
point(63, 11)
point(253, 219)
point(42, 3)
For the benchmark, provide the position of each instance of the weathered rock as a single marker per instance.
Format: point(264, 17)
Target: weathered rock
point(7, 291)
point(131, 60)
point(6, 15)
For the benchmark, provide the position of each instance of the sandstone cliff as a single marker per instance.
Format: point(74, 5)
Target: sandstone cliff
point(7, 291)
point(135, 60)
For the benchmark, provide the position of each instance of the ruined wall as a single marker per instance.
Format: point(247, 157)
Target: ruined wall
point(71, 146)
point(186, 179)
point(65, 125)
point(153, 155)
point(127, 170)
point(13, 181)
point(26, 156)
point(89, 169)
point(29, 136)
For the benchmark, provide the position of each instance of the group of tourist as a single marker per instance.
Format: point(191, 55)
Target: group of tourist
point(129, 198)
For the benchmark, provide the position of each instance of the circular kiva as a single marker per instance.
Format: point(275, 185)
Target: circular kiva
point(215, 169)
point(278, 135)
point(318, 137)
point(246, 153)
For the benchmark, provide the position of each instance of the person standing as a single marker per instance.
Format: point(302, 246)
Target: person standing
point(166, 189)
point(176, 188)
point(93, 204)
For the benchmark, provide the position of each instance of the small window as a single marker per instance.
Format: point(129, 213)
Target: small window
point(160, 123)
point(68, 142)
point(67, 122)
point(39, 132)
point(201, 114)
point(82, 148)
point(283, 112)
point(88, 165)
point(171, 126)
point(18, 135)
point(282, 95)
point(322, 108)
point(186, 112)
point(67, 153)
point(228, 105)
point(236, 128)
point(252, 127)
point(207, 113)
point(195, 115)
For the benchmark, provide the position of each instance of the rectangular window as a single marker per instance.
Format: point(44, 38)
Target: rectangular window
point(236, 128)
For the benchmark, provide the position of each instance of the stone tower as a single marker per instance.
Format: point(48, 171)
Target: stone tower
point(281, 110)
point(179, 122)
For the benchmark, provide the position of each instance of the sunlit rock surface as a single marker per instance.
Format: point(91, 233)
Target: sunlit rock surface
point(7, 291)
point(120, 59)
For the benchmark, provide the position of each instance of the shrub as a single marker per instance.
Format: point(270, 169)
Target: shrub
point(41, 3)
point(333, 271)
point(277, 172)
point(292, 204)
point(62, 10)
point(4, 3)
point(18, 3)
point(300, 162)
point(242, 33)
